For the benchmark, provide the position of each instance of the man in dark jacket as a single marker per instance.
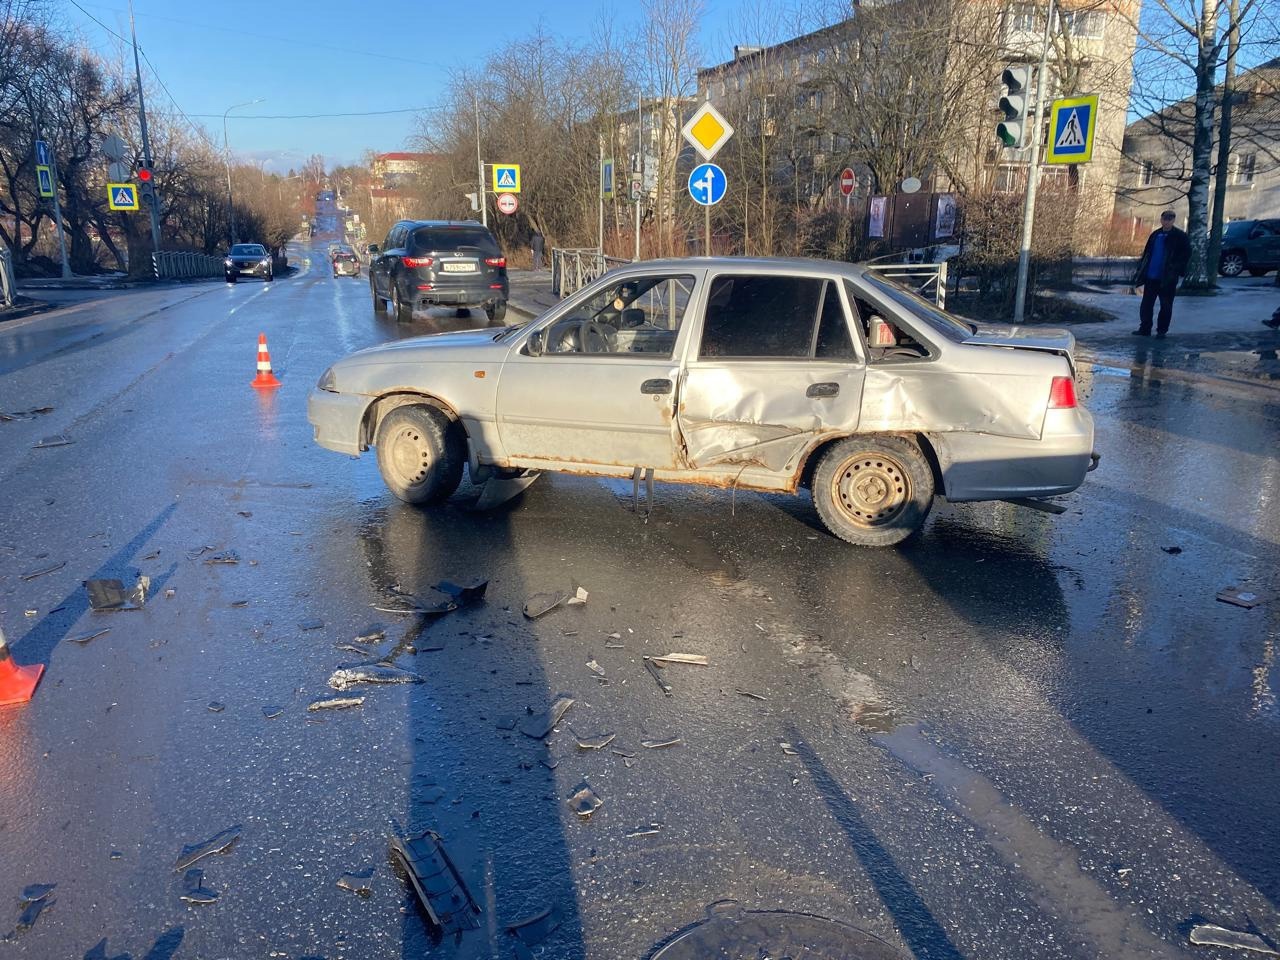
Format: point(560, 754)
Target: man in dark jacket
point(1163, 261)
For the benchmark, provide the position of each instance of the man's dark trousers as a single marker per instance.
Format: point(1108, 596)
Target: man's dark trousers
point(1150, 291)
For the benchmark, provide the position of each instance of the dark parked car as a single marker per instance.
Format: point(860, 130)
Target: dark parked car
point(1252, 245)
point(251, 259)
point(439, 263)
point(345, 261)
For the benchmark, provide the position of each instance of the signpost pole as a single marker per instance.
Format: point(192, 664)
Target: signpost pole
point(481, 196)
point(146, 140)
point(57, 216)
point(600, 191)
point(1033, 179)
point(640, 164)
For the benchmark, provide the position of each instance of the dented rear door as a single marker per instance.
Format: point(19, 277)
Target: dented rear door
point(773, 365)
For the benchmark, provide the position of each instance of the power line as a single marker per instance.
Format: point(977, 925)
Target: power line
point(97, 21)
point(199, 131)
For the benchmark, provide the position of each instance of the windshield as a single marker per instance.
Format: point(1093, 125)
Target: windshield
point(248, 250)
point(953, 328)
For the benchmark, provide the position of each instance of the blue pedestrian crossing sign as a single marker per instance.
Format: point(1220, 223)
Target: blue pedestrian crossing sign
point(122, 196)
point(506, 178)
point(707, 184)
point(1071, 126)
point(44, 180)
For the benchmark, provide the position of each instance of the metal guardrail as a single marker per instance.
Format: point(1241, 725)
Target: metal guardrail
point(8, 286)
point(182, 265)
point(926, 279)
point(572, 268)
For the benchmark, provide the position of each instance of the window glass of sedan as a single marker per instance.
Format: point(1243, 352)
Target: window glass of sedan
point(635, 315)
point(750, 317)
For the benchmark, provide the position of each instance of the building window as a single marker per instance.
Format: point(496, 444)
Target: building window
point(1084, 24)
point(1242, 167)
point(1023, 17)
point(1148, 173)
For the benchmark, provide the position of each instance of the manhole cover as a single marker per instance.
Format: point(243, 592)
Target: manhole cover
point(731, 933)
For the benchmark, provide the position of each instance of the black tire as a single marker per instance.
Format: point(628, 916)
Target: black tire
point(497, 311)
point(401, 314)
point(421, 453)
point(881, 506)
point(1231, 264)
point(231, 278)
point(271, 275)
point(379, 305)
point(1258, 271)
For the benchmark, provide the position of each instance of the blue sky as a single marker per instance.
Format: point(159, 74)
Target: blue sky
point(334, 57)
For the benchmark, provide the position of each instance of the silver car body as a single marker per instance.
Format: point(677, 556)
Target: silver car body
point(979, 403)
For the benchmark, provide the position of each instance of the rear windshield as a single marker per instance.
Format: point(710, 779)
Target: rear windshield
point(438, 239)
point(248, 250)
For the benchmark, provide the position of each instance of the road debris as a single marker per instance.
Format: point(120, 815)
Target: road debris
point(598, 742)
point(596, 669)
point(335, 703)
point(311, 625)
point(584, 801)
point(83, 638)
point(218, 843)
point(272, 712)
point(216, 707)
point(789, 750)
point(359, 882)
point(198, 552)
point(375, 635)
point(662, 744)
point(694, 659)
point(540, 724)
point(57, 440)
point(753, 696)
point(15, 415)
point(444, 597)
point(653, 672)
point(648, 830)
point(532, 930)
point(499, 490)
point(194, 890)
point(440, 888)
point(543, 603)
point(347, 676)
point(1239, 598)
point(1172, 551)
point(34, 901)
point(239, 603)
point(41, 571)
point(1212, 935)
point(109, 594)
point(37, 891)
point(224, 556)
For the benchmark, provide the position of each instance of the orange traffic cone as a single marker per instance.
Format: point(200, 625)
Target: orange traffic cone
point(265, 378)
point(17, 684)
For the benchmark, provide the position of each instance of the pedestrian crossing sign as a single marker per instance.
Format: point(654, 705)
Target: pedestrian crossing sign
point(122, 196)
point(1071, 126)
point(506, 178)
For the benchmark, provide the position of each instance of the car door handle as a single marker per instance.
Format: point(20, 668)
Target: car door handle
point(823, 390)
point(656, 386)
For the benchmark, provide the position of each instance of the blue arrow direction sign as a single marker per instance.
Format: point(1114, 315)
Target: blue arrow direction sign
point(707, 184)
point(44, 180)
point(42, 153)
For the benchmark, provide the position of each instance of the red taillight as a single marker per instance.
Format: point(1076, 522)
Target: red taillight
point(1062, 394)
point(417, 261)
point(496, 261)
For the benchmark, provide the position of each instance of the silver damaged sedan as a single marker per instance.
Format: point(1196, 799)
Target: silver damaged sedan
point(764, 374)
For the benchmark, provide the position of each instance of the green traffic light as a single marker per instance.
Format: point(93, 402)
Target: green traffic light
point(1010, 134)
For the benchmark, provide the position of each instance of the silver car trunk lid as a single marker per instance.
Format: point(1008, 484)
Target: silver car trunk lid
point(1047, 339)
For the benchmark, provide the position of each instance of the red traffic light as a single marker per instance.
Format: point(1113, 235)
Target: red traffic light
point(144, 174)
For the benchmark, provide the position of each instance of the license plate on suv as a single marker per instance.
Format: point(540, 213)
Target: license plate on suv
point(459, 268)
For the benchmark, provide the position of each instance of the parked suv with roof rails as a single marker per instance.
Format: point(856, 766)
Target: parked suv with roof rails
point(1252, 245)
point(424, 263)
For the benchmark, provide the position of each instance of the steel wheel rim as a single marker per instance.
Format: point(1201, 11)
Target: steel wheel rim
point(1232, 264)
point(871, 489)
point(409, 455)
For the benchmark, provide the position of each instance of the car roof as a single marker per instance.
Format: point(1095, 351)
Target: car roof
point(443, 223)
point(805, 265)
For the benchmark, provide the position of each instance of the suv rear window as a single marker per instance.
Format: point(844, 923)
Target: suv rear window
point(438, 239)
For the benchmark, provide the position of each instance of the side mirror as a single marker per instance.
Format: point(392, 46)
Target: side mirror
point(373, 248)
point(537, 343)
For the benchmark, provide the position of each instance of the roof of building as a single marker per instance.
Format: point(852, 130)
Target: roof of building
point(401, 155)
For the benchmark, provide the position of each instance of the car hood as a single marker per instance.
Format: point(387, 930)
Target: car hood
point(462, 345)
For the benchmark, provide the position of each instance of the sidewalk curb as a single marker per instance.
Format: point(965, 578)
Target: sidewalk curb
point(24, 311)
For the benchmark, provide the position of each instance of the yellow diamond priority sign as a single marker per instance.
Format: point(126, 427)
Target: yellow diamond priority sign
point(707, 130)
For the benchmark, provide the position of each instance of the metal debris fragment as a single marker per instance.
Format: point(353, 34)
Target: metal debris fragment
point(41, 571)
point(194, 890)
point(109, 594)
point(359, 882)
point(219, 843)
point(596, 669)
point(541, 724)
point(440, 888)
point(216, 707)
point(345, 677)
point(444, 597)
point(1239, 598)
point(598, 742)
point(532, 930)
point(648, 830)
point(584, 801)
point(1212, 935)
point(661, 744)
point(499, 490)
point(83, 638)
point(695, 659)
point(653, 672)
point(335, 703)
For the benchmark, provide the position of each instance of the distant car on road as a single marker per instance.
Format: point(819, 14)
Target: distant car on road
point(251, 259)
point(1252, 245)
point(345, 261)
point(454, 263)
point(765, 374)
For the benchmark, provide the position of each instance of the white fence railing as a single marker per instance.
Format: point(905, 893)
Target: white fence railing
point(182, 265)
point(572, 268)
point(929, 280)
point(8, 286)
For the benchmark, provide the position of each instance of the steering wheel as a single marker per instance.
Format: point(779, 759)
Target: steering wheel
point(594, 337)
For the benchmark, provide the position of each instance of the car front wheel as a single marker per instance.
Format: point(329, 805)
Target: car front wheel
point(421, 453)
point(1231, 264)
point(873, 491)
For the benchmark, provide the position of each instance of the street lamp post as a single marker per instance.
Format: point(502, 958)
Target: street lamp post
point(226, 160)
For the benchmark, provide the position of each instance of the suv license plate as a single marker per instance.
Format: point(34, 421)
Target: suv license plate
point(459, 268)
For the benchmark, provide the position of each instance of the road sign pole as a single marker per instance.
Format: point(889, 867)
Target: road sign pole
point(1033, 179)
point(640, 164)
point(481, 196)
point(600, 191)
point(57, 205)
point(146, 140)
point(706, 231)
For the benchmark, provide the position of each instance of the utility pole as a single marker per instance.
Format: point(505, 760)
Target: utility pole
point(1033, 178)
point(481, 195)
point(600, 192)
point(639, 163)
point(153, 207)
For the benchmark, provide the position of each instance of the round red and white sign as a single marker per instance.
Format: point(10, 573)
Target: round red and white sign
point(507, 203)
point(847, 181)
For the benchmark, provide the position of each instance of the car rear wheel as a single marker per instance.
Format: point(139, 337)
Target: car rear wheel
point(379, 305)
point(873, 491)
point(1231, 265)
point(401, 314)
point(497, 311)
point(421, 453)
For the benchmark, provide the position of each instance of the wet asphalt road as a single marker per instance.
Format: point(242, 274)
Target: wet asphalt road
point(1017, 736)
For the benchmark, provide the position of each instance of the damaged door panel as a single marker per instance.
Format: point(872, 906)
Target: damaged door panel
point(924, 396)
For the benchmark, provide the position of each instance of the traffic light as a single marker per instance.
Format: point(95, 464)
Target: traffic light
point(146, 186)
point(1012, 130)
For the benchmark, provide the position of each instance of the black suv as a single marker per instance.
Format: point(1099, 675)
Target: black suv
point(454, 263)
point(1252, 245)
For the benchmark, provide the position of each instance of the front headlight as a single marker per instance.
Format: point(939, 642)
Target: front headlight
point(328, 381)
point(264, 262)
point(228, 261)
